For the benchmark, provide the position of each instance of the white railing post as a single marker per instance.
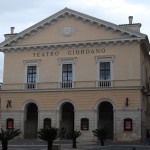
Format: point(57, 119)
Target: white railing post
point(104, 83)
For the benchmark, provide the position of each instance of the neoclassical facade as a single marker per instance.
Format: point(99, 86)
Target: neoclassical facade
point(76, 72)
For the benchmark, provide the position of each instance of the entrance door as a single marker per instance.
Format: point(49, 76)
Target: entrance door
point(106, 118)
point(31, 122)
point(67, 122)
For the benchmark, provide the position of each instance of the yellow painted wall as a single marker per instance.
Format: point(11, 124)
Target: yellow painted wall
point(82, 31)
point(82, 100)
point(126, 64)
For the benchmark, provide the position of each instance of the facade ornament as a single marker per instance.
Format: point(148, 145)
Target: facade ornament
point(67, 31)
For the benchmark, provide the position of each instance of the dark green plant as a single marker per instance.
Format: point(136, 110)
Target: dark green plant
point(7, 135)
point(133, 148)
point(101, 134)
point(74, 135)
point(49, 135)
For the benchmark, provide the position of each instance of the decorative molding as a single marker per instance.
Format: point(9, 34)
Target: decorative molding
point(69, 44)
point(37, 61)
point(67, 59)
point(71, 89)
point(68, 12)
point(67, 31)
point(105, 57)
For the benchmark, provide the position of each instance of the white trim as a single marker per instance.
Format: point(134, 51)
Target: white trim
point(79, 15)
point(28, 101)
point(106, 58)
point(37, 61)
point(77, 43)
point(67, 60)
point(31, 62)
point(98, 102)
point(59, 104)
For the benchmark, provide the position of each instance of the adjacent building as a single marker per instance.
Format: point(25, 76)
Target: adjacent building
point(77, 72)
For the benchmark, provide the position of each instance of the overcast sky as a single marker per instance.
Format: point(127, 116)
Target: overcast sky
point(22, 14)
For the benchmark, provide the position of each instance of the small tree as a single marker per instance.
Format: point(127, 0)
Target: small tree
point(74, 135)
point(49, 135)
point(101, 134)
point(7, 135)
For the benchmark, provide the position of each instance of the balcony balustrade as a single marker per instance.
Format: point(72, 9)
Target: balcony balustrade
point(30, 86)
point(66, 84)
point(104, 83)
point(72, 85)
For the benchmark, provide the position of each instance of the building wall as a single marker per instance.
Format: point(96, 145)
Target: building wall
point(125, 56)
point(80, 29)
point(83, 99)
point(85, 104)
point(90, 40)
point(145, 79)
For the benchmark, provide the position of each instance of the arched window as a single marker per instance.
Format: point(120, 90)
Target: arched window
point(127, 124)
point(84, 124)
point(10, 123)
point(47, 123)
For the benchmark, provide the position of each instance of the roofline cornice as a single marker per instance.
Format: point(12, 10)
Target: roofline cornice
point(61, 14)
point(69, 44)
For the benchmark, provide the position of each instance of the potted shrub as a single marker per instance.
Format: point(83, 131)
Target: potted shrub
point(49, 135)
point(7, 135)
point(74, 135)
point(101, 134)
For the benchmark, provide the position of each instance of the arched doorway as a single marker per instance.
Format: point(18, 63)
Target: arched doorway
point(67, 118)
point(31, 121)
point(105, 118)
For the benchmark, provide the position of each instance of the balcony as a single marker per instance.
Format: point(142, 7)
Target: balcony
point(66, 84)
point(104, 83)
point(30, 86)
point(73, 85)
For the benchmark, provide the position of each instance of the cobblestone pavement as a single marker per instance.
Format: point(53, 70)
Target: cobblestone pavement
point(67, 145)
point(108, 146)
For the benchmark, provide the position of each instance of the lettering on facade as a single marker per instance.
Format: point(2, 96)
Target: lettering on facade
point(45, 54)
point(70, 52)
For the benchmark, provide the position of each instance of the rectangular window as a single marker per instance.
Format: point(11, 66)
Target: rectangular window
point(104, 74)
point(66, 75)
point(67, 72)
point(31, 74)
point(31, 77)
point(104, 70)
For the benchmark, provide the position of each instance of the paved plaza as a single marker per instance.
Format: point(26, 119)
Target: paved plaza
point(67, 145)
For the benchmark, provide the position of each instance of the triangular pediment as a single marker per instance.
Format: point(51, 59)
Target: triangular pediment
point(70, 26)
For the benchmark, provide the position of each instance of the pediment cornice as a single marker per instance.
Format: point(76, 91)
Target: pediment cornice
point(71, 44)
point(71, 13)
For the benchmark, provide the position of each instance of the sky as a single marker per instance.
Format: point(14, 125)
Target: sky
point(22, 14)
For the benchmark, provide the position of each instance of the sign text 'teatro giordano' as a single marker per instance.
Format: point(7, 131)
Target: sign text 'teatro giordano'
point(70, 52)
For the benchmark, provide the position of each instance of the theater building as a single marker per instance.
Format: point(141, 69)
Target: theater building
point(77, 72)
